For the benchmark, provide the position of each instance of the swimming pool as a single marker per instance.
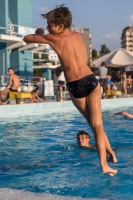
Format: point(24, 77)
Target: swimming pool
point(39, 158)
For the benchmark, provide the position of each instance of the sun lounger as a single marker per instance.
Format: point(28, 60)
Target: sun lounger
point(113, 93)
point(19, 96)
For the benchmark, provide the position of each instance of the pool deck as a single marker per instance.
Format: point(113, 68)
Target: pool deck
point(47, 107)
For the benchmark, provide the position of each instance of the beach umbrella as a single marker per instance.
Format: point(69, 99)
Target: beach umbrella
point(117, 58)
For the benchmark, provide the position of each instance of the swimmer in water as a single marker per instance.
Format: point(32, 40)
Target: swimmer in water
point(82, 85)
point(126, 114)
point(83, 139)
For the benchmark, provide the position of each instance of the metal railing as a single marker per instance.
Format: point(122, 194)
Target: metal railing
point(29, 82)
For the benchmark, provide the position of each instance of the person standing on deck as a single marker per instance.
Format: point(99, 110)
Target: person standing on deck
point(102, 78)
point(61, 82)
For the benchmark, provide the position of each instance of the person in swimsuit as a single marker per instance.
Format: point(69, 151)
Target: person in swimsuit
point(61, 82)
point(124, 82)
point(82, 85)
point(102, 78)
point(126, 114)
point(108, 81)
point(12, 86)
point(129, 84)
point(34, 96)
point(83, 139)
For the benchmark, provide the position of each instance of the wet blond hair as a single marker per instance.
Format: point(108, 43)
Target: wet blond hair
point(60, 15)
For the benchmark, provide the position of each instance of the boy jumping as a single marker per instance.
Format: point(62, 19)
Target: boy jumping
point(81, 83)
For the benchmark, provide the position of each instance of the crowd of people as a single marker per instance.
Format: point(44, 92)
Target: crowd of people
point(113, 80)
point(36, 94)
point(108, 81)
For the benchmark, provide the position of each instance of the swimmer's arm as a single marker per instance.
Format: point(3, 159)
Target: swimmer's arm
point(118, 113)
point(126, 114)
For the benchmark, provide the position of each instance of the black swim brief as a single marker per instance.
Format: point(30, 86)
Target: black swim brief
point(12, 90)
point(82, 87)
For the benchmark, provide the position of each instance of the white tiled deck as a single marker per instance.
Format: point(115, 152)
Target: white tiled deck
point(8, 111)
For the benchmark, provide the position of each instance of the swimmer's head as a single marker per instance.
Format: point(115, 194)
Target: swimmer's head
point(60, 16)
point(83, 138)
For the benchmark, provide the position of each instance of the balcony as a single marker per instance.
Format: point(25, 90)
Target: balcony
point(14, 39)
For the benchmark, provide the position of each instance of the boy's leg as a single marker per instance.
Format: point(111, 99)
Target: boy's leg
point(109, 150)
point(90, 107)
point(82, 108)
point(95, 115)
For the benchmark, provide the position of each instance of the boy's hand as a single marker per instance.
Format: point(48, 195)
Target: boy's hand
point(40, 31)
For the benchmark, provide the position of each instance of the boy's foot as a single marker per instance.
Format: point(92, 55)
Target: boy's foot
point(113, 157)
point(109, 171)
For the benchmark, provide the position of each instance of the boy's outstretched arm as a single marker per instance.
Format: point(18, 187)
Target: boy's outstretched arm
point(38, 37)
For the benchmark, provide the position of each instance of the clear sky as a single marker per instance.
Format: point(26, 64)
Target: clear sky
point(105, 18)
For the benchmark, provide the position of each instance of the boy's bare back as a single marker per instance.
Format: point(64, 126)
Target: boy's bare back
point(71, 52)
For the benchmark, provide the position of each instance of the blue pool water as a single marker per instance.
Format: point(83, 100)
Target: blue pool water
point(39, 155)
